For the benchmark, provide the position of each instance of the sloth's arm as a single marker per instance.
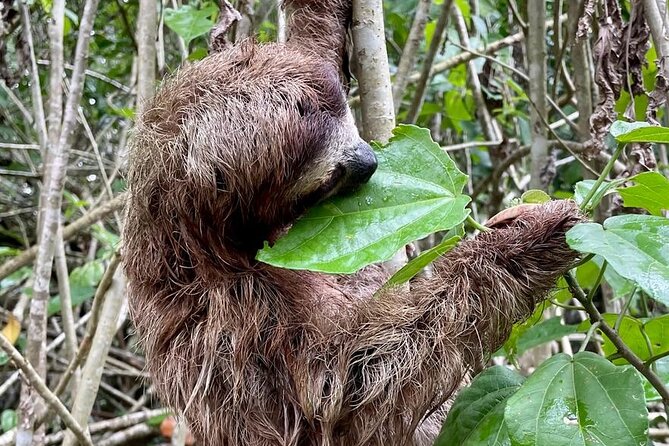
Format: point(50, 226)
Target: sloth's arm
point(402, 353)
point(319, 26)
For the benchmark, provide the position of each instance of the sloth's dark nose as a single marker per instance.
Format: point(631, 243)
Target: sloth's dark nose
point(362, 165)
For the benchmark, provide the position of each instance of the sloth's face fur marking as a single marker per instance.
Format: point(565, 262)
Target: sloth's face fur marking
point(250, 137)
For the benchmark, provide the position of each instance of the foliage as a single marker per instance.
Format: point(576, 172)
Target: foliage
point(416, 191)
point(420, 189)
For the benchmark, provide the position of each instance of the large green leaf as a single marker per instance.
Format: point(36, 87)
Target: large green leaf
point(643, 133)
point(584, 400)
point(634, 245)
point(190, 22)
point(416, 191)
point(650, 192)
point(477, 415)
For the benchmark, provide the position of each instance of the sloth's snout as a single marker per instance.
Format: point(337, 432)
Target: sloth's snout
point(361, 166)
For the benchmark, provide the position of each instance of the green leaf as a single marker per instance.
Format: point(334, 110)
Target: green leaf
point(621, 287)
point(8, 420)
point(157, 419)
point(634, 245)
point(535, 196)
point(650, 192)
point(6, 251)
point(408, 271)
point(645, 133)
point(584, 400)
point(630, 331)
point(83, 283)
point(661, 370)
point(583, 188)
point(623, 128)
point(190, 22)
point(545, 331)
point(477, 415)
point(416, 191)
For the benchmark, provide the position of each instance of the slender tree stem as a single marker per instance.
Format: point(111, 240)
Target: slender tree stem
point(38, 384)
point(602, 177)
point(623, 350)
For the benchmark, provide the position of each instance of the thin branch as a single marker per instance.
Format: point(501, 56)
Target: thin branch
point(378, 115)
point(378, 111)
point(410, 51)
point(489, 125)
point(56, 71)
point(35, 85)
point(92, 372)
point(94, 74)
point(27, 256)
point(426, 71)
point(38, 384)
point(281, 22)
point(624, 351)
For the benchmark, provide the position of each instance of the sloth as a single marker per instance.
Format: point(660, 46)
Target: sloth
point(227, 155)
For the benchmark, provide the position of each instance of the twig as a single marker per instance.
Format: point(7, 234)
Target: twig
point(536, 61)
point(55, 343)
point(623, 350)
point(125, 436)
point(56, 70)
point(603, 176)
point(106, 328)
point(27, 256)
point(489, 125)
point(65, 298)
point(410, 51)
point(35, 85)
point(38, 384)
point(94, 74)
point(426, 71)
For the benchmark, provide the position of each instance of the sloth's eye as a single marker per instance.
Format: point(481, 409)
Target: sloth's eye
point(301, 109)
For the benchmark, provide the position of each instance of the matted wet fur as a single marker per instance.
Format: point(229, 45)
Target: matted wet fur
point(227, 154)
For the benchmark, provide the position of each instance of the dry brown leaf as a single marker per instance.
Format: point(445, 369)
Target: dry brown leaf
point(226, 18)
point(609, 75)
point(12, 330)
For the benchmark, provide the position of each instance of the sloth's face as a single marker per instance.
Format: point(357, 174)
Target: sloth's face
point(343, 163)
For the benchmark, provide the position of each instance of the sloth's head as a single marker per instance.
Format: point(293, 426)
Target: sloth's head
point(237, 146)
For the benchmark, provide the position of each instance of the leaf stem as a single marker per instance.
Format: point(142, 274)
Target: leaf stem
point(588, 335)
point(602, 177)
point(616, 340)
point(657, 357)
point(477, 225)
point(593, 290)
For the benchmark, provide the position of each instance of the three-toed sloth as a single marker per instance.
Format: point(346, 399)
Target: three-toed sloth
point(230, 152)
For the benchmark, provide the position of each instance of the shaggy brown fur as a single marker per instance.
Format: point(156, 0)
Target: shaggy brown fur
point(226, 155)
